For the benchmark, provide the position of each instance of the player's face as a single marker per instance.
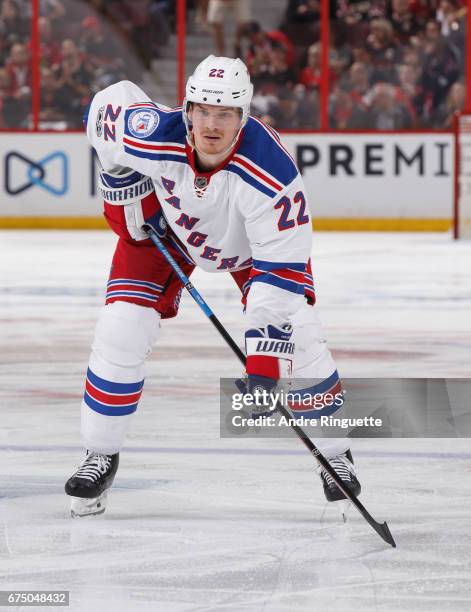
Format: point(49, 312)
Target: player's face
point(214, 127)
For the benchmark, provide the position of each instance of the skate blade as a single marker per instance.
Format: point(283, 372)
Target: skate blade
point(80, 507)
point(342, 506)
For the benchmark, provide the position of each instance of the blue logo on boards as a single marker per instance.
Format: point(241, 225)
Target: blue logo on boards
point(51, 173)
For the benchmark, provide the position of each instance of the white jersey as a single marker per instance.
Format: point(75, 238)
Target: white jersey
point(251, 211)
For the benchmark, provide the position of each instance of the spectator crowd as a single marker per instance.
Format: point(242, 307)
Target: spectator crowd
point(393, 64)
point(396, 64)
point(85, 45)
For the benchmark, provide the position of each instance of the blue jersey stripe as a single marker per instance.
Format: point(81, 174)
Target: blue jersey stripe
point(322, 387)
point(262, 147)
point(156, 156)
point(250, 180)
point(267, 266)
point(282, 283)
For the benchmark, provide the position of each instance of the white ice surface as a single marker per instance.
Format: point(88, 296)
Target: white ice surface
point(196, 523)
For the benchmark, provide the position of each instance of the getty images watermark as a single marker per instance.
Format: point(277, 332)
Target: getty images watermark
point(261, 399)
point(358, 407)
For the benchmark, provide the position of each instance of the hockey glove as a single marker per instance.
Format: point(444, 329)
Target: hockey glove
point(130, 202)
point(269, 358)
point(259, 394)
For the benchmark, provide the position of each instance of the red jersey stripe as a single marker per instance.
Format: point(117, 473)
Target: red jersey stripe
point(254, 170)
point(142, 145)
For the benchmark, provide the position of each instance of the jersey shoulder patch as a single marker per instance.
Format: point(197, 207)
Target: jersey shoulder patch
point(154, 132)
point(262, 161)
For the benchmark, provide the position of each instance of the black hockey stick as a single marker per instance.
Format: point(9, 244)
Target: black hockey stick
point(381, 529)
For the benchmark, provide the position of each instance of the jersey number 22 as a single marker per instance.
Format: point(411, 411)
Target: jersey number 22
point(284, 222)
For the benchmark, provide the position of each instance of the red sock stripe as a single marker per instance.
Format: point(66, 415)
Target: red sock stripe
point(110, 398)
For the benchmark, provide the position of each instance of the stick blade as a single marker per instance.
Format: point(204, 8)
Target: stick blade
point(383, 531)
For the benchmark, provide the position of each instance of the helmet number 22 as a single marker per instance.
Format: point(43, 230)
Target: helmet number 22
point(284, 222)
point(216, 72)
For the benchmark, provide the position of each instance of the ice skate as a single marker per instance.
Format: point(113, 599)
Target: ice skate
point(89, 484)
point(343, 465)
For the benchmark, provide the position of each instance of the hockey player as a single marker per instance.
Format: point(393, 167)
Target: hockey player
point(224, 194)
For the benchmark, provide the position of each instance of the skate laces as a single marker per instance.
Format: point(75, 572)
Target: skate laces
point(93, 466)
point(343, 466)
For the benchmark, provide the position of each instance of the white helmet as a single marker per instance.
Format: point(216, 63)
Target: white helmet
point(220, 81)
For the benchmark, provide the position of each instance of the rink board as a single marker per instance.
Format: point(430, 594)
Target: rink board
point(354, 181)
